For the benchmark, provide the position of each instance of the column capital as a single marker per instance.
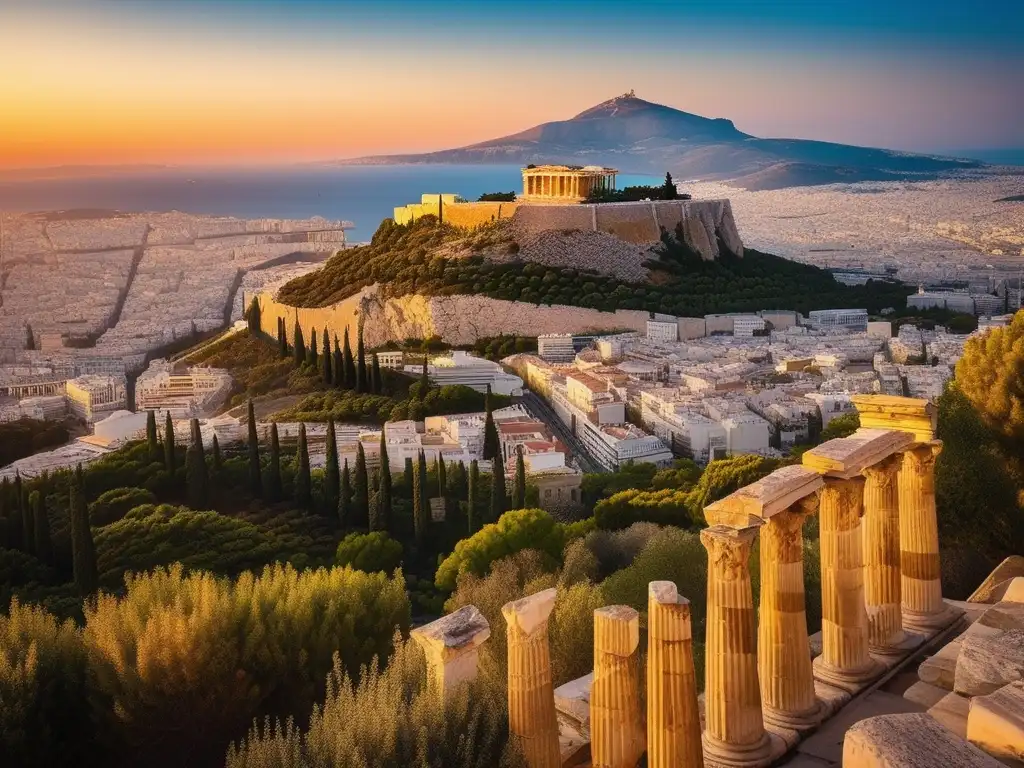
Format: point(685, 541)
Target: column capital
point(921, 458)
point(728, 549)
point(529, 615)
point(884, 472)
point(670, 624)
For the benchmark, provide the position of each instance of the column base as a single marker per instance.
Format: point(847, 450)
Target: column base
point(851, 680)
point(896, 648)
point(928, 624)
point(757, 755)
point(799, 721)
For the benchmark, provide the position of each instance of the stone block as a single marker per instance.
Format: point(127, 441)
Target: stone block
point(451, 643)
point(1003, 615)
point(940, 670)
point(572, 703)
point(987, 663)
point(951, 710)
point(917, 416)
point(996, 722)
point(1014, 590)
point(909, 741)
point(848, 457)
point(995, 585)
point(764, 498)
point(827, 742)
point(925, 694)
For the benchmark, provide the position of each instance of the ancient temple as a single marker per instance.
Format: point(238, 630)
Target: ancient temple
point(769, 689)
point(564, 183)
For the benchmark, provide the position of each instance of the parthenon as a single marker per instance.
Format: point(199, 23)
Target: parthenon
point(564, 183)
point(766, 689)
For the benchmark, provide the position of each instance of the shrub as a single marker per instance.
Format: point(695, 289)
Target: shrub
point(667, 507)
point(370, 552)
point(112, 505)
point(616, 550)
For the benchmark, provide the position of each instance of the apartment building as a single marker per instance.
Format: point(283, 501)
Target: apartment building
point(556, 347)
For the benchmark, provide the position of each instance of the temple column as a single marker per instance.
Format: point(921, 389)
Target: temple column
point(734, 732)
point(881, 548)
point(616, 725)
point(783, 649)
point(450, 645)
point(673, 719)
point(921, 587)
point(844, 660)
point(531, 699)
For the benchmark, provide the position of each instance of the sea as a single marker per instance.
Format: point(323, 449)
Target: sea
point(364, 195)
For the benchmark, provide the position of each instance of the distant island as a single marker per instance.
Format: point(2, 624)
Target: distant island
point(1011, 199)
point(639, 136)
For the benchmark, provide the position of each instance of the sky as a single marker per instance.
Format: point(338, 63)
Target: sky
point(266, 81)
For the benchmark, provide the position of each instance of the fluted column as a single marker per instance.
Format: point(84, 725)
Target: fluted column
point(734, 733)
point(881, 547)
point(673, 719)
point(783, 648)
point(921, 585)
point(616, 725)
point(531, 699)
point(450, 645)
point(844, 660)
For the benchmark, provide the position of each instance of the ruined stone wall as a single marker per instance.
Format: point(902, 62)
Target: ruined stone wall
point(705, 223)
point(455, 319)
point(466, 215)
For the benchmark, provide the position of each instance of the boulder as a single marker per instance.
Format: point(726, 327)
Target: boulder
point(986, 664)
point(909, 741)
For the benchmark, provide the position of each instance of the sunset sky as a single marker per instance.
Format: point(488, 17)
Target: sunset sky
point(201, 81)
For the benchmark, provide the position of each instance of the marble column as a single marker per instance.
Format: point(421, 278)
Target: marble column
point(673, 719)
point(616, 724)
point(783, 648)
point(734, 732)
point(844, 660)
point(881, 546)
point(531, 699)
point(450, 645)
point(921, 587)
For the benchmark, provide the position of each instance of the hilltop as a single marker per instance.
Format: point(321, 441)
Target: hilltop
point(640, 136)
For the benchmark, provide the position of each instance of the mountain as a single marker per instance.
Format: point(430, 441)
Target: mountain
point(638, 136)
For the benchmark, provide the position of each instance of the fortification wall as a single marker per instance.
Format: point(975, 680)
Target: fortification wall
point(705, 223)
point(455, 319)
point(467, 215)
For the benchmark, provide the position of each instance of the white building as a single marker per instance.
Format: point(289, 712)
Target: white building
point(556, 347)
point(119, 427)
point(744, 326)
point(847, 319)
point(93, 396)
point(663, 331)
point(195, 392)
point(470, 371)
point(392, 360)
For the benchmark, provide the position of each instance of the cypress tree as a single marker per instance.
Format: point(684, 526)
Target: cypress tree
point(169, 446)
point(361, 496)
point(218, 464)
point(492, 445)
point(312, 356)
point(152, 441)
point(13, 511)
point(274, 484)
point(255, 480)
point(350, 363)
point(282, 338)
point(376, 381)
point(360, 362)
point(337, 367)
point(420, 513)
point(345, 497)
point(83, 551)
point(25, 514)
point(325, 360)
point(332, 474)
point(196, 478)
point(253, 316)
point(499, 500)
point(442, 478)
point(41, 538)
point(472, 492)
point(384, 490)
point(408, 475)
point(303, 479)
point(298, 345)
point(668, 190)
point(519, 488)
point(424, 381)
point(5, 528)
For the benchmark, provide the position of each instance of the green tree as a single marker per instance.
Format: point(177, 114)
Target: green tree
point(669, 188)
point(350, 364)
point(492, 445)
point(169, 446)
point(15, 530)
point(472, 501)
point(275, 488)
point(345, 497)
point(196, 478)
point(332, 472)
point(499, 493)
point(311, 356)
point(361, 495)
point(420, 510)
point(841, 426)
point(110, 506)
point(83, 550)
point(325, 361)
point(337, 367)
point(303, 479)
point(282, 339)
point(370, 552)
point(384, 490)
point(519, 488)
point(376, 380)
point(424, 387)
point(41, 538)
point(28, 525)
point(298, 345)
point(360, 377)
point(255, 473)
point(408, 479)
point(252, 317)
point(218, 463)
point(152, 440)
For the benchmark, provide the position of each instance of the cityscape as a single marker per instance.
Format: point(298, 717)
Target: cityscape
point(347, 422)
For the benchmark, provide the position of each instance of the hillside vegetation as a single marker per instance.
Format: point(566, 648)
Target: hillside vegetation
point(416, 259)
